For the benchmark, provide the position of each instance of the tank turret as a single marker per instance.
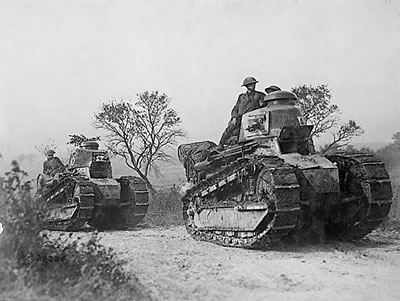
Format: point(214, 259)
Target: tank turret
point(89, 161)
point(280, 121)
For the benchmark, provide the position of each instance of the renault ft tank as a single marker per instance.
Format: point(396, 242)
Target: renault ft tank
point(86, 192)
point(270, 186)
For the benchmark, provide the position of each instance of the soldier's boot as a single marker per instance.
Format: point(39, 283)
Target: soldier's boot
point(224, 138)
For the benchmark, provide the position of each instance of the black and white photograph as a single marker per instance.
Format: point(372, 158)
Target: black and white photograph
point(199, 150)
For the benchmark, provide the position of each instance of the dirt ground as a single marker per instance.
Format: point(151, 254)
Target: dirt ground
point(173, 266)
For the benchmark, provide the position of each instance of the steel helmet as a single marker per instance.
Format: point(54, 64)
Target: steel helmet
point(272, 88)
point(50, 152)
point(249, 80)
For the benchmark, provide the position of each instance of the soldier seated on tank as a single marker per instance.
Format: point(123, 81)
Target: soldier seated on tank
point(249, 101)
point(53, 164)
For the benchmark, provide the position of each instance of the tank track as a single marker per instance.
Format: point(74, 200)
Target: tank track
point(70, 193)
point(283, 205)
point(132, 210)
point(141, 201)
point(372, 192)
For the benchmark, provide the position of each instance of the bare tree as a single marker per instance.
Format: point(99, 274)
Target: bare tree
point(343, 136)
point(45, 146)
point(320, 112)
point(140, 132)
point(317, 108)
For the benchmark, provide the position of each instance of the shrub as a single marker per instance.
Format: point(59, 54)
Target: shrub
point(395, 209)
point(165, 208)
point(55, 264)
point(74, 262)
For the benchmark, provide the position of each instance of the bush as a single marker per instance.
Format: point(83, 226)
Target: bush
point(58, 265)
point(395, 209)
point(165, 208)
point(64, 260)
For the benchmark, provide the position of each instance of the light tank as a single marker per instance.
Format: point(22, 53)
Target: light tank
point(270, 186)
point(85, 192)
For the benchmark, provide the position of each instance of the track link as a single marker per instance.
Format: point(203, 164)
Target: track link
point(133, 212)
point(277, 189)
point(71, 194)
point(365, 181)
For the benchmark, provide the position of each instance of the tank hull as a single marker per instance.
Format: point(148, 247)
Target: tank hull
point(257, 201)
point(73, 201)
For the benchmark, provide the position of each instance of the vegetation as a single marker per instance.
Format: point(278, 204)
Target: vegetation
point(390, 155)
point(37, 264)
point(165, 208)
point(46, 146)
point(325, 116)
point(140, 132)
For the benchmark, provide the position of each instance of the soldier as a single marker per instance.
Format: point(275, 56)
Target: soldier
point(249, 101)
point(52, 164)
point(272, 88)
point(269, 90)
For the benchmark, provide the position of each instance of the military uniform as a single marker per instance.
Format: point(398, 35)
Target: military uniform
point(249, 101)
point(51, 165)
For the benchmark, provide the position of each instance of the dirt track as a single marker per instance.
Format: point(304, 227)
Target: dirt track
point(173, 266)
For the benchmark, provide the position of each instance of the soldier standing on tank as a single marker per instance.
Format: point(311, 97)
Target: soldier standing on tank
point(249, 101)
point(52, 163)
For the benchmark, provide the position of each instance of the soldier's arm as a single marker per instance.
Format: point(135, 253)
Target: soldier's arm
point(59, 161)
point(261, 101)
point(235, 110)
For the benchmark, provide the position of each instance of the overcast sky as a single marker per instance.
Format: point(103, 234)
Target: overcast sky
point(59, 60)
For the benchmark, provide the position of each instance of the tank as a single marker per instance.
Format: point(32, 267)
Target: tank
point(270, 187)
point(85, 192)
